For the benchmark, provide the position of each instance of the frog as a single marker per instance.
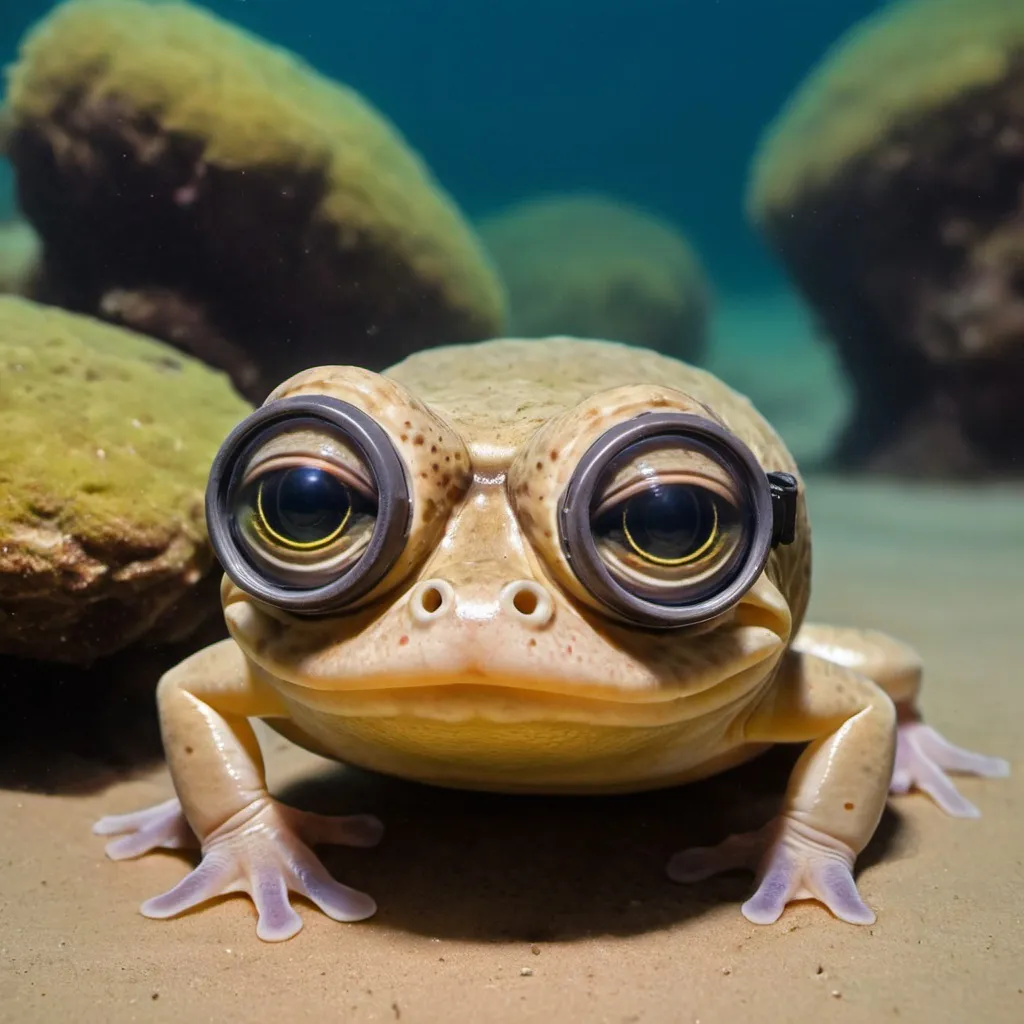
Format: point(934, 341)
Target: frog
point(525, 565)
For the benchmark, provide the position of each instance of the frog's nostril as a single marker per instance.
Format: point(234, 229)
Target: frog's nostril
point(431, 599)
point(527, 601)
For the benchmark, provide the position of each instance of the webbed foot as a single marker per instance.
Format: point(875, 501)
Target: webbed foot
point(262, 851)
point(923, 756)
point(792, 862)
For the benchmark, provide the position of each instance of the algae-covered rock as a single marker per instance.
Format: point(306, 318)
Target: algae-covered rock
point(107, 441)
point(595, 267)
point(890, 185)
point(201, 185)
point(19, 258)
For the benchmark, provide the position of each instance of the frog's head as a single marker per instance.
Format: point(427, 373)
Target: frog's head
point(610, 563)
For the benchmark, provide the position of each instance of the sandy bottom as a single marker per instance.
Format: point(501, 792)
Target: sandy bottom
point(520, 909)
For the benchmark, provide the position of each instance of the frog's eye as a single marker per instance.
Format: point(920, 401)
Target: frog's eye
point(668, 519)
point(301, 512)
point(308, 504)
point(667, 531)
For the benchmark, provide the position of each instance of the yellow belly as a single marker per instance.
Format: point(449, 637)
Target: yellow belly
point(522, 756)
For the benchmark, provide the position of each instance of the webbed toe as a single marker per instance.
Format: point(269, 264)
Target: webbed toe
point(163, 826)
point(924, 756)
point(792, 862)
point(263, 853)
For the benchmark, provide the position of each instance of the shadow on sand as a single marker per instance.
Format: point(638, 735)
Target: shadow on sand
point(480, 867)
point(454, 865)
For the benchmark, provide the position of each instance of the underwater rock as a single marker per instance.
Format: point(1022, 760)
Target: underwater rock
point(196, 183)
point(19, 258)
point(890, 185)
point(107, 441)
point(595, 267)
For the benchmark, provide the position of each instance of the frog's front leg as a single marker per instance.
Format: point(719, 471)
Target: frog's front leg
point(834, 800)
point(923, 755)
point(250, 843)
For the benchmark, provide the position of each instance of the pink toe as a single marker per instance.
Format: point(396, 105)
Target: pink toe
point(833, 884)
point(770, 899)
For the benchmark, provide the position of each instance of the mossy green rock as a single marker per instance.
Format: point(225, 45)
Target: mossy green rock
point(19, 258)
point(889, 186)
point(594, 266)
point(199, 184)
point(107, 442)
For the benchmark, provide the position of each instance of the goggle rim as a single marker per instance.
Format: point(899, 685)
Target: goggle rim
point(394, 503)
point(580, 549)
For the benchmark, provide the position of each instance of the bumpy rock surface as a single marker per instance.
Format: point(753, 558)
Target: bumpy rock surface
point(594, 267)
point(891, 187)
point(198, 184)
point(107, 441)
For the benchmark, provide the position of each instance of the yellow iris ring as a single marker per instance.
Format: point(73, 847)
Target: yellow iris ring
point(693, 556)
point(267, 532)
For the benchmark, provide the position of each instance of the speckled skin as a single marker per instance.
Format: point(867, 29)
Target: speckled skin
point(441, 674)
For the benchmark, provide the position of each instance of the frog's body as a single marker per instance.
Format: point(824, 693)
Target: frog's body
point(480, 660)
point(480, 699)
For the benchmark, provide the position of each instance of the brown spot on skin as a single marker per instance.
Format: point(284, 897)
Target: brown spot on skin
point(433, 449)
point(405, 437)
point(435, 466)
point(553, 456)
point(458, 456)
point(418, 439)
point(568, 649)
point(402, 641)
point(533, 642)
point(189, 750)
point(848, 806)
point(547, 535)
point(540, 465)
point(423, 476)
point(447, 458)
point(454, 493)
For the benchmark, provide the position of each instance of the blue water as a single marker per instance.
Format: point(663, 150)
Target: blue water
point(656, 101)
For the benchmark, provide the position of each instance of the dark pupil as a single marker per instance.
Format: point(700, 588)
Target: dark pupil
point(669, 522)
point(305, 504)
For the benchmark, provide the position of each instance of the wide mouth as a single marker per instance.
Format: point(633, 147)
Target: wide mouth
point(473, 692)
